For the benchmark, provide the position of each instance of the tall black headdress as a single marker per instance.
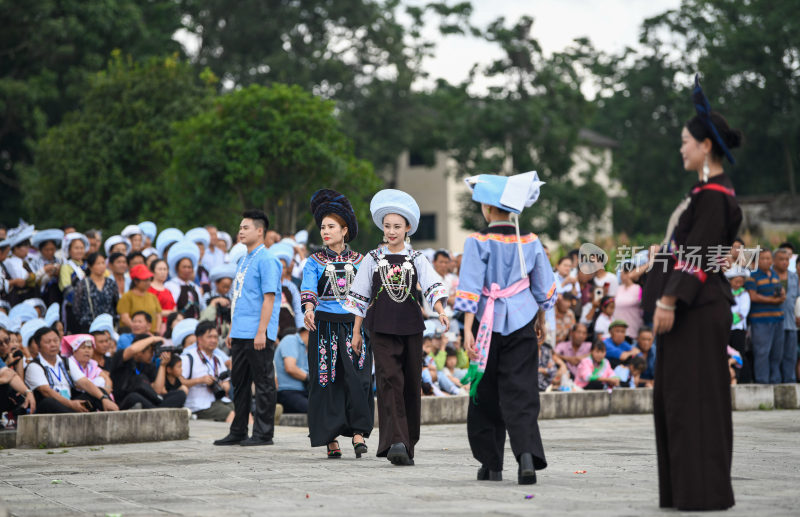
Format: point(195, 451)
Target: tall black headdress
point(704, 112)
point(326, 201)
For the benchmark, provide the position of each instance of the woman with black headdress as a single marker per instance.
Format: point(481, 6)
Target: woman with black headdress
point(340, 399)
point(692, 301)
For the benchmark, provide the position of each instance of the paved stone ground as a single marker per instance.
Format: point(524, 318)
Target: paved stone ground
point(194, 478)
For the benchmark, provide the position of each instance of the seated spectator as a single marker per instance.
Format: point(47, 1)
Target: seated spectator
point(205, 374)
point(602, 319)
point(454, 341)
point(430, 384)
point(575, 350)
point(594, 372)
point(141, 323)
point(138, 299)
point(78, 349)
point(565, 316)
point(15, 397)
point(184, 335)
point(549, 366)
point(453, 374)
point(291, 369)
point(169, 374)
point(11, 356)
point(105, 338)
point(96, 294)
point(628, 301)
point(56, 390)
point(618, 349)
point(630, 374)
point(133, 374)
point(565, 282)
point(644, 342)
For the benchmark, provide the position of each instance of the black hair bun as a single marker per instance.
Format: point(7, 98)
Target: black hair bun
point(732, 137)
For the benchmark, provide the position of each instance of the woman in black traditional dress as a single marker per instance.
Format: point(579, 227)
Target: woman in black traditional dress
point(692, 301)
point(340, 401)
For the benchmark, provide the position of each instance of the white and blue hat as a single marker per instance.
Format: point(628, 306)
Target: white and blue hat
point(20, 234)
point(737, 270)
point(131, 230)
point(29, 329)
point(238, 251)
point(167, 237)
point(183, 329)
point(392, 201)
point(222, 271)
point(42, 236)
point(113, 241)
point(283, 251)
point(23, 312)
point(181, 250)
point(430, 329)
point(225, 236)
point(104, 322)
point(5, 243)
point(36, 303)
point(198, 235)
point(510, 193)
point(301, 237)
point(70, 238)
point(52, 314)
point(149, 229)
point(5, 321)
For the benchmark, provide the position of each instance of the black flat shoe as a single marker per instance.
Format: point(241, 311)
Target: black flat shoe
point(484, 474)
point(231, 439)
point(359, 447)
point(253, 441)
point(398, 455)
point(526, 474)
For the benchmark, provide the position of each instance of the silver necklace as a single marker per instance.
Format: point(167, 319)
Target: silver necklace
point(340, 291)
point(238, 281)
point(396, 279)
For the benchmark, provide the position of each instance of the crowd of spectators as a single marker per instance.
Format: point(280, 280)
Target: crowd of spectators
point(140, 320)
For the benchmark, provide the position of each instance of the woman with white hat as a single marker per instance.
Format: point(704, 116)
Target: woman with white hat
point(47, 265)
point(383, 293)
point(21, 277)
point(183, 259)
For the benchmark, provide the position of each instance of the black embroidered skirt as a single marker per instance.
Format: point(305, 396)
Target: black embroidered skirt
point(340, 398)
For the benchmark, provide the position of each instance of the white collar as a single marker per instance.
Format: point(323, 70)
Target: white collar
point(45, 361)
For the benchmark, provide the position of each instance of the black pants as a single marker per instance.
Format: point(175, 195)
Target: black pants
point(251, 366)
point(293, 401)
point(171, 399)
point(10, 400)
point(49, 405)
point(398, 374)
point(507, 399)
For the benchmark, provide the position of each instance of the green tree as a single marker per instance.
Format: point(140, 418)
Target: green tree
point(48, 50)
point(269, 148)
point(103, 165)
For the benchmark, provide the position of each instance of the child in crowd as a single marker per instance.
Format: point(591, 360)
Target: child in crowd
point(594, 372)
point(630, 373)
point(602, 318)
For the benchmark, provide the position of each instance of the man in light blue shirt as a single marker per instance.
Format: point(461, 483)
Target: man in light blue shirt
point(255, 305)
point(291, 367)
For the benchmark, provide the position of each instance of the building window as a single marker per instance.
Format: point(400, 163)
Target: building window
point(426, 231)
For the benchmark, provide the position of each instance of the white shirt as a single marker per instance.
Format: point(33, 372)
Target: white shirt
point(174, 287)
point(609, 279)
point(15, 267)
point(76, 372)
point(35, 376)
point(741, 306)
point(213, 257)
point(200, 396)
